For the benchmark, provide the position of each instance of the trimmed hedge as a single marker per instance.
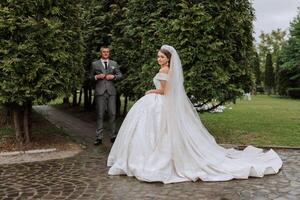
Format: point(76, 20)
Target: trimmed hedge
point(294, 92)
point(213, 38)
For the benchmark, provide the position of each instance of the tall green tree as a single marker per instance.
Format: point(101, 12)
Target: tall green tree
point(289, 70)
point(214, 40)
point(256, 69)
point(269, 74)
point(271, 43)
point(40, 55)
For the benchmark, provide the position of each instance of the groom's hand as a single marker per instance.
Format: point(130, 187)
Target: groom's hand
point(100, 76)
point(110, 77)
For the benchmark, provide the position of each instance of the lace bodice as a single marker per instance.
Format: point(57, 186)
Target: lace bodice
point(159, 76)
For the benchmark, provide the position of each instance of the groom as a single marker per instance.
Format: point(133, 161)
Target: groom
point(104, 73)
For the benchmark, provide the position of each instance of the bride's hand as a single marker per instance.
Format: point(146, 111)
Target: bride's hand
point(148, 92)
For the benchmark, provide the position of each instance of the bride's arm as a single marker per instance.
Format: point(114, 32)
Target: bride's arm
point(160, 90)
point(163, 82)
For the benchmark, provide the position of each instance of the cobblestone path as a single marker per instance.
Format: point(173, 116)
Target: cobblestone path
point(85, 176)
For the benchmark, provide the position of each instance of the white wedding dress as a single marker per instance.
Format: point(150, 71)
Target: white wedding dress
point(162, 139)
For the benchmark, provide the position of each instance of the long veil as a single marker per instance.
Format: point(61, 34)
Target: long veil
point(178, 110)
point(193, 148)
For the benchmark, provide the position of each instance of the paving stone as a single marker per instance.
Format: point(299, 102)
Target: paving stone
point(79, 181)
point(280, 198)
point(85, 177)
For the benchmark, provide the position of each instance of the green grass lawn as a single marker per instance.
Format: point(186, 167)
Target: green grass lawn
point(266, 120)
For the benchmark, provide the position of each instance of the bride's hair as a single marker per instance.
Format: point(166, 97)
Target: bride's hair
point(166, 53)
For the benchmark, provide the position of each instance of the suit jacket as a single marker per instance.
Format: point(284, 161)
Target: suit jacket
point(102, 85)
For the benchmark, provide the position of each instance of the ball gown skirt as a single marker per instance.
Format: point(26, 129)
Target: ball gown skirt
point(144, 151)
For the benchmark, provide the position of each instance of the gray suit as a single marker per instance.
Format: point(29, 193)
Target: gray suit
point(105, 94)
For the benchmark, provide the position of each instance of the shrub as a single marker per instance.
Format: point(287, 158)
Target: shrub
point(260, 89)
point(294, 92)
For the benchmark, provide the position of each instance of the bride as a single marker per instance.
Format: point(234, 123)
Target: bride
point(162, 138)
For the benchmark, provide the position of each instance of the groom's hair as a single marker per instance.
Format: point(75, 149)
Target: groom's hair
point(166, 53)
point(103, 47)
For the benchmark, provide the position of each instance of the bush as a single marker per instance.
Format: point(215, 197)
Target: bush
point(260, 89)
point(213, 38)
point(294, 92)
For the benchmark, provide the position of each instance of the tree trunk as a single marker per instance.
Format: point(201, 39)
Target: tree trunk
point(118, 105)
point(269, 91)
point(74, 101)
point(27, 121)
point(80, 96)
point(86, 99)
point(17, 115)
point(66, 100)
point(125, 106)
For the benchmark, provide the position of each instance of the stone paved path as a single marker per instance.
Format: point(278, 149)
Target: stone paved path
point(85, 176)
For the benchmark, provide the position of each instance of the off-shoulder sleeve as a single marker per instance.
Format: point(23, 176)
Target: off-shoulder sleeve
point(162, 76)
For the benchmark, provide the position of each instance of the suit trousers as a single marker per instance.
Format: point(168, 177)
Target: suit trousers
point(103, 102)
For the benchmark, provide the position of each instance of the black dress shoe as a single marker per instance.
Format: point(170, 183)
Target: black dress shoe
point(112, 140)
point(98, 141)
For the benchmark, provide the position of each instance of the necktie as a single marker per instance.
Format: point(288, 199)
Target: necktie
point(105, 63)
